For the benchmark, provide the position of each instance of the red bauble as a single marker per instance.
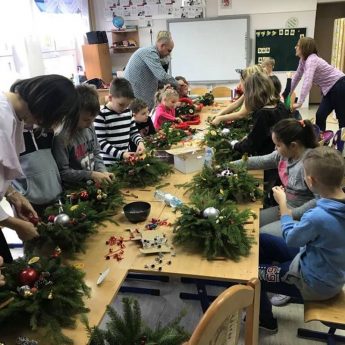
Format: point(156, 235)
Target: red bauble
point(84, 195)
point(51, 218)
point(28, 276)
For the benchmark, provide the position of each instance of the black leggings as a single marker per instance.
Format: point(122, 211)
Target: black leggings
point(334, 100)
point(4, 249)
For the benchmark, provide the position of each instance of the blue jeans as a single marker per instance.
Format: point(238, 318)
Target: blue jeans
point(274, 261)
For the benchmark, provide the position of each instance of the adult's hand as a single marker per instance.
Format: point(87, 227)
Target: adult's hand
point(23, 208)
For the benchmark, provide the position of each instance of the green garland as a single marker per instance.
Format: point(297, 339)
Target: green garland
point(223, 236)
point(206, 99)
point(130, 329)
point(86, 208)
point(226, 182)
point(141, 171)
point(52, 301)
point(166, 137)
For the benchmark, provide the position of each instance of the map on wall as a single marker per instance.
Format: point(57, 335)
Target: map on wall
point(155, 9)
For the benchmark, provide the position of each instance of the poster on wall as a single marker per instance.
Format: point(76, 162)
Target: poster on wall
point(154, 9)
point(225, 4)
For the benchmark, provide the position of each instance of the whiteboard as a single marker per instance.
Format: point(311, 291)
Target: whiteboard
point(209, 50)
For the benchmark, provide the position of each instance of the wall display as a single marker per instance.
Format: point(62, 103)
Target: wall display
point(155, 9)
point(280, 45)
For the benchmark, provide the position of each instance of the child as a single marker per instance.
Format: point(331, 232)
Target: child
point(261, 99)
point(184, 85)
point(231, 113)
point(165, 111)
point(79, 159)
point(114, 125)
point(293, 139)
point(268, 64)
point(142, 120)
point(311, 256)
point(41, 184)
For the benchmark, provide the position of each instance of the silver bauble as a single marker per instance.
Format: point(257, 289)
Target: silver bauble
point(167, 198)
point(210, 212)
point(225, 131)
point(62, 219)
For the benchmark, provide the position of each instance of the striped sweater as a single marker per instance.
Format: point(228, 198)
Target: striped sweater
point(114, 132)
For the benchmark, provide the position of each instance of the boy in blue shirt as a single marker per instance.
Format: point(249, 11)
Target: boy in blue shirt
point(308, 262)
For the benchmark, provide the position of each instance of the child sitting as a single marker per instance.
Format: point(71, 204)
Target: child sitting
point(268, 64)
point(79, 158)
point(308, 261)
point(184, 85)
point(142, 119)
point(165, 110)
point(114, 125)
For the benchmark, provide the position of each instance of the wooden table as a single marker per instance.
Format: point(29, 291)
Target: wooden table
point(184, 264)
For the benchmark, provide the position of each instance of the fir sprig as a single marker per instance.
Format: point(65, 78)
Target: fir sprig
point(129, 329)
point(206, 99)
point(223, 236)
point(225, 182)
point(51, 306)
point(141, 171)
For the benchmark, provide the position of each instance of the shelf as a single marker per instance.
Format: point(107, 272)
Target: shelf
point(124, 49)
point(123, 31)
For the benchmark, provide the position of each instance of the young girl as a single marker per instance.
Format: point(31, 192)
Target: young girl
point(47, 101)
point(262, 100)
point(229, 113)
point(184, 85)
point(293, 139)
point(165, 111)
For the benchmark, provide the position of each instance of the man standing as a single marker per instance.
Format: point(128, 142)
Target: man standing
point(144, 69)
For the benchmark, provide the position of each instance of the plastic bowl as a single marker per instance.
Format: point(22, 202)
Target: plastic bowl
point(137, 211)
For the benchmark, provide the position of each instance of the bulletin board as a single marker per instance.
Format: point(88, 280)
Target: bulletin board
point(280, 45)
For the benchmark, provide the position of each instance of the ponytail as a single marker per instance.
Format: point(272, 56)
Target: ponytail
point(289, 130)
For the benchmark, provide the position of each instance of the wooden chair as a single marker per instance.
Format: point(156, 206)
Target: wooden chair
point(221, 322)
point(331, 313)
point(221, 91)
point(200, 91)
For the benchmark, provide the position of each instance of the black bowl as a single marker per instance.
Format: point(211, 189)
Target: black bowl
point(137, 211)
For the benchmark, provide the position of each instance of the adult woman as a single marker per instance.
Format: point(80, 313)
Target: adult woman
point(47, 101)
point(318, 71)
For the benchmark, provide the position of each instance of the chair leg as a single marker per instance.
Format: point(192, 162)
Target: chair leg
point(331, 338)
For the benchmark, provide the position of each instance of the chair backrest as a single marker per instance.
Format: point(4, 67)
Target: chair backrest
point(221, 322)
point(221, 91)
point(200, 91)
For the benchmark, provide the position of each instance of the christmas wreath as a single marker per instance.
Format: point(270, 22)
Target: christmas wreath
point(206, 99)
point(213, 227)
point(130, 329)
point(42, 293)
point(141, 171)
point(226, 182)
point(69, 224)
point(169, 135)
point(186, 111)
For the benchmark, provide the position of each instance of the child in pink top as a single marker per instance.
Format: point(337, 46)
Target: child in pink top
point(165, 110)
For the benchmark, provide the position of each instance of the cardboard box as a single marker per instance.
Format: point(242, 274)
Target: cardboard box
point(188, 159)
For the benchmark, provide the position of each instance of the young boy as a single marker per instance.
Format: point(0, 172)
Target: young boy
point(317, 270)
point(79, 158)
point(114, 125)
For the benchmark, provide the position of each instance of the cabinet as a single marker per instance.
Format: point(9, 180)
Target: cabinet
point(125, 41)
point(97, 61)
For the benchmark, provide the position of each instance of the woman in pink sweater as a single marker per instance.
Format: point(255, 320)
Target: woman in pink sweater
point(318, 71)
point(165, 110)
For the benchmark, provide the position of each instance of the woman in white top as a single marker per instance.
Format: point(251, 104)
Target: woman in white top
point(47, 101)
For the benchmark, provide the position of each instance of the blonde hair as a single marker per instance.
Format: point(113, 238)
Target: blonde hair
point(166, 92)
point(163, 37)
point(268, 61)
point(245, 73)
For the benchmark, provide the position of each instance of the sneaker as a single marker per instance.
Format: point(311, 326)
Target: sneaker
point(280, 300)
point(269, 325)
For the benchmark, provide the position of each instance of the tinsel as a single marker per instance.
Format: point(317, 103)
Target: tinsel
point(129, 329)
point(141, 171)
point(225, 182)
point(52, 303)
point(224, 236)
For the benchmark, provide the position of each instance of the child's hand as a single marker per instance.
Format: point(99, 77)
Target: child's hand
point(178, 120)
point(2, 278)
point(99, 177)
point(127, 154)
point(289, 74)
point(279, 195)
point(295, 106)
point(140, 149)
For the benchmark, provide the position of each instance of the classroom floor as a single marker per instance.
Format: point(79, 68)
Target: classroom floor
point(167, 306)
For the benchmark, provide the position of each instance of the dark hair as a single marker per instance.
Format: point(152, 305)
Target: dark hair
point(307, 45)
point(137, 105)
point(88, 97)
point(326, 165)
point(179, 77)
point(289, 130)
point(52, 100)
point(121, 87)
point(277, 85)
